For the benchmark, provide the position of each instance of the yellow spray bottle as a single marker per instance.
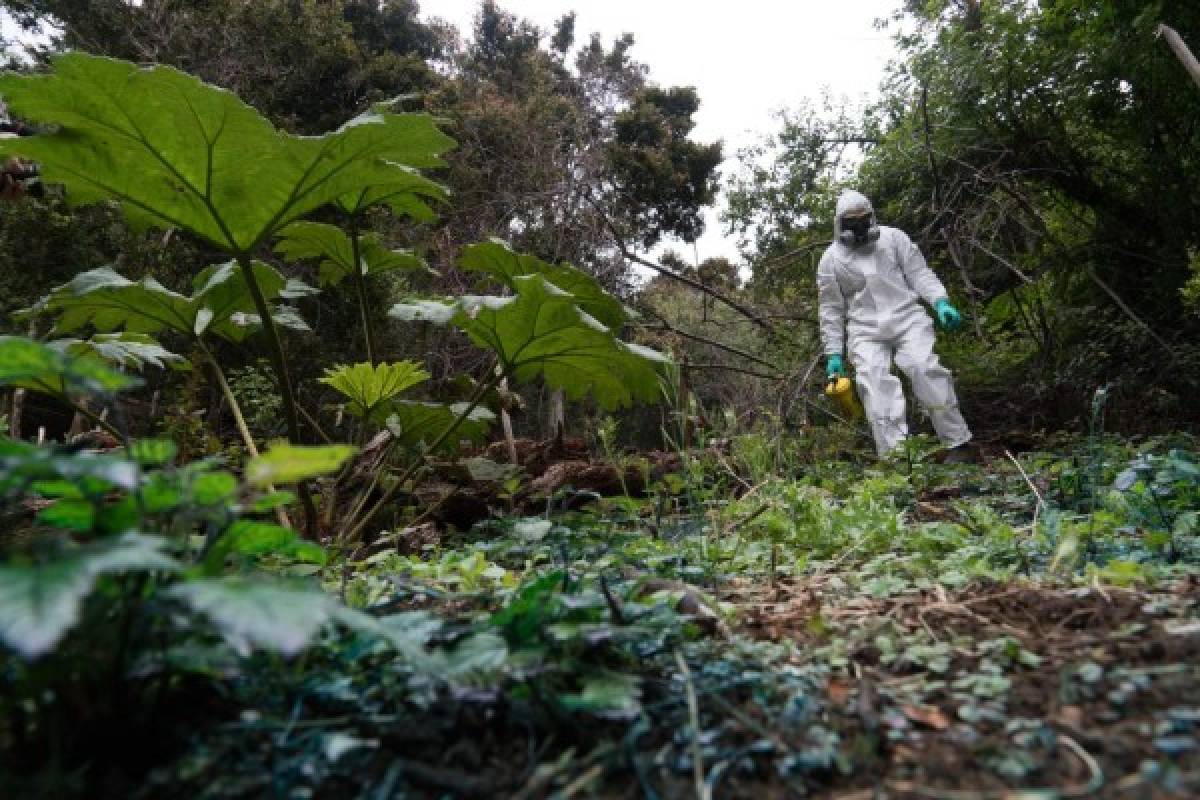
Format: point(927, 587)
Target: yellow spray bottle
point(841, 391)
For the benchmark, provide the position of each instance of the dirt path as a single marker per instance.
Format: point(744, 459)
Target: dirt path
point(1086, 692)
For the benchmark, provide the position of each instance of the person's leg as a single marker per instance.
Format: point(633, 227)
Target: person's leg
point(932, 383)
point(880, 391)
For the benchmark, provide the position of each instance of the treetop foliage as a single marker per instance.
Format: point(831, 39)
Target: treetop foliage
point(306, 66)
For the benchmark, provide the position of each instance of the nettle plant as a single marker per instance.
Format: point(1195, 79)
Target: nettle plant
point(176, 153)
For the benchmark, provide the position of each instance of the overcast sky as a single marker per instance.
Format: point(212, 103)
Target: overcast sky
point(746, 58)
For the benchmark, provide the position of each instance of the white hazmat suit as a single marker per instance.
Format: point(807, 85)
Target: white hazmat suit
point(868, 300)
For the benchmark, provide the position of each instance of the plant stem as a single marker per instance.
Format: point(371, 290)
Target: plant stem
point(97, 420)
point(476, 399)
point(238, 419)
point(360, 287)
point(506, 424)
point(235, 408)
point(283, 380)
point(316, 426)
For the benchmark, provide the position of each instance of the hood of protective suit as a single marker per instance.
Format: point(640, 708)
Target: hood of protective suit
point(850, 202)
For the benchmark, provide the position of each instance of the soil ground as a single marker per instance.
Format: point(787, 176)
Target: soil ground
point(1116, 677)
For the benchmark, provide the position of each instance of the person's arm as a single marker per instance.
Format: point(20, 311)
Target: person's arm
point(831, 308)
point(918, 274)
point(922, 280)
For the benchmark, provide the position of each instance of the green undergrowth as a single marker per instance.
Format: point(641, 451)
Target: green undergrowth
point(759, 621)
point(552, 648)
point(1116, 511)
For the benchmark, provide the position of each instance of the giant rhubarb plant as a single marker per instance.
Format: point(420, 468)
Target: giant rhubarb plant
point(175, 152)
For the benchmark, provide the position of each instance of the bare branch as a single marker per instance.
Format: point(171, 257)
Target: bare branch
point(670, 273)
point(798, 251)
point(852, 140)
point(666, 326)
point(978, 245)
point(731, 368)
point(1181, 50)
point(1116, 298)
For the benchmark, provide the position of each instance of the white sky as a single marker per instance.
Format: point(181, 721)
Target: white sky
point(746, 59)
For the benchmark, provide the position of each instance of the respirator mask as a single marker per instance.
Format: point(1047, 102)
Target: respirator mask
point(858, 230)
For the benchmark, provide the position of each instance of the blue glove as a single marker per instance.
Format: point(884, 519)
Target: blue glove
point(834, 366)
point(948, 316)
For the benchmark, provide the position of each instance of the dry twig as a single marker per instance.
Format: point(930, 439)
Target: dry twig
point(702, 792)
point(1094, 783)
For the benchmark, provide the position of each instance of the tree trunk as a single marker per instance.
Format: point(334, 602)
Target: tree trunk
point(506, 424)
point(556, 420)
point(18, 408)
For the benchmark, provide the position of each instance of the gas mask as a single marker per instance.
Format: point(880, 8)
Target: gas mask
point(858, 230)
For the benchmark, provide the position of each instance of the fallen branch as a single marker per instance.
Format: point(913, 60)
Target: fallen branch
point(1089, 789)
point(447, 779)
point(1041, 502)
point(614, 605)
point(789, 399)
point(582, 782)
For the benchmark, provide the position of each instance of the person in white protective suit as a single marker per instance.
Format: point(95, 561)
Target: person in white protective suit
point(869, 284)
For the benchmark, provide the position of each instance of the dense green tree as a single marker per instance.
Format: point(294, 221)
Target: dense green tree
point(307, 66)
point(780, 202)
point(1041, 154)
point(558, 157)
point(566, 158)
point(663, 179)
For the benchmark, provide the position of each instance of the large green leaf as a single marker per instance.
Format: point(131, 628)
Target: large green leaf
point(368, 387)
point(542, 332)
point(329, 243)
point(130, 350)
point(408, 632)
point(33, 365)
point(497, 259)
point(405, 193)
point(39, 603)
point(413, 422)
point(225, 307)
point(247, 537)
point(291, 463)
point(109, 301)
point(437, 311)
point(476, 656)
point(221, 303)
point(255, 614)
point(177, 152)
